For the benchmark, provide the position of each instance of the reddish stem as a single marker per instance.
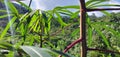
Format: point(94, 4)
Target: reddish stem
point(103, 50)
point(71, 45)
point(102, 9)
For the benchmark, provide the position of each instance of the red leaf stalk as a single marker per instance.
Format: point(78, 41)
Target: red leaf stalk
point(71, 45)
point(102, 9)
point(103, 50)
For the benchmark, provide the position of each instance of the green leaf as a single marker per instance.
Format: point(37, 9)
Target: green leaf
point(35, 51)
point(49, 23)
point(72, 7)
point(65, 12)
point(7, 27)
point(31, 41)
point(89, 31)
point(56, 51)
point(3, 16)
point(92, 3)
point(68, 7)
point(10, 54)
point(106, 13)
point(3, 11)
point(115, 33)
point(6, 45)
point(59, 19)
point(74, 15)
point(75, 32)
point(102, 35)
point(12, 8)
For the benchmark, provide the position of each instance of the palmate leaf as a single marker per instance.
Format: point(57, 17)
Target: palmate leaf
point(115, 33)
point(99, 3)
point(25, 19)
point(65, 10)
point(33, 17)
point(36, 20)
point(94, 2)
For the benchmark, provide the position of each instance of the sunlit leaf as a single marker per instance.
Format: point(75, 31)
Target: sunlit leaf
point(12, 8)
point(59, 19)
point(7, 27)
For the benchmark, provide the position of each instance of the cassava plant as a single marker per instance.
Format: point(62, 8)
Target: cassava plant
point(38, 28)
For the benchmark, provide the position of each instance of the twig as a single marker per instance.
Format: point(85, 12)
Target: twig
point(30, 3)
point(103, 50)
point(102, 9)
point(71, 45)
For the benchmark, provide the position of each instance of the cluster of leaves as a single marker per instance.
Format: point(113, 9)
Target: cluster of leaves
point(108, 31)
point(53, 30)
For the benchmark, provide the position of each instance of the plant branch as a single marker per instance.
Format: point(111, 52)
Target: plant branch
point(30, 3)
point(71, 45)
point(103, 50)
point(102, 9)
point(83, 28)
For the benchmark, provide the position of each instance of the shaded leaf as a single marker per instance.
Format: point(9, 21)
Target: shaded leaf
point(35, 51)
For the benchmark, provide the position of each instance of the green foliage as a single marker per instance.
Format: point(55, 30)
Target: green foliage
point(57, 28)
